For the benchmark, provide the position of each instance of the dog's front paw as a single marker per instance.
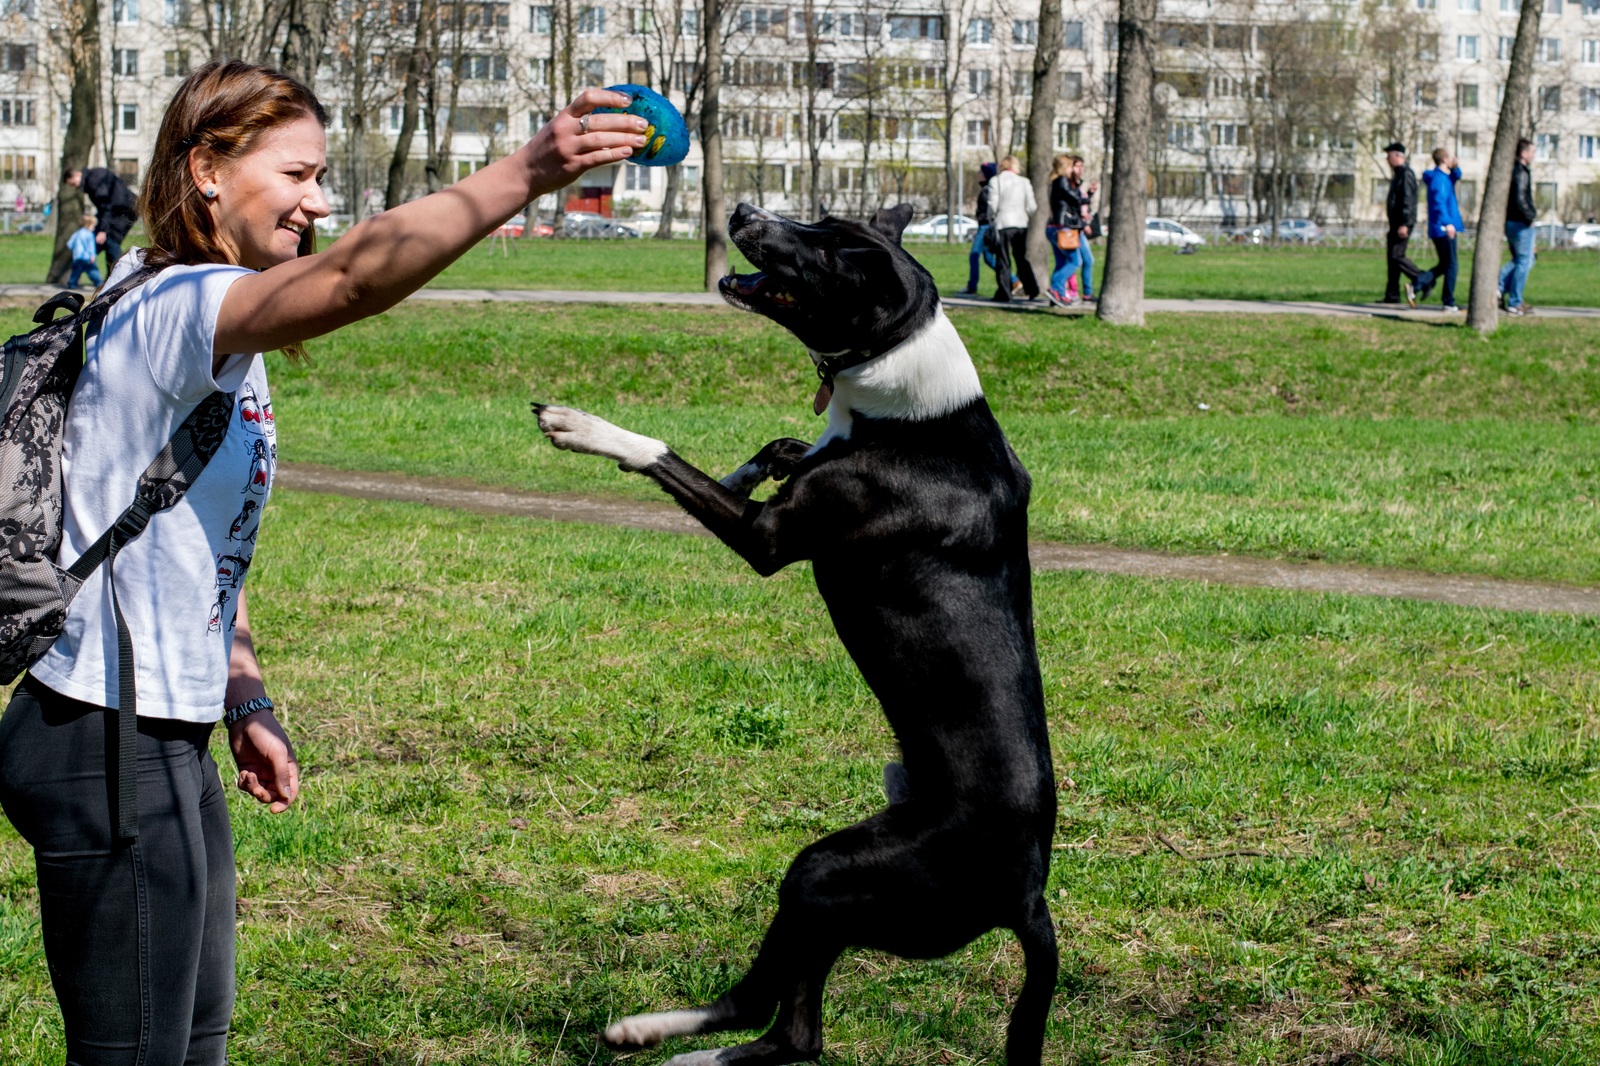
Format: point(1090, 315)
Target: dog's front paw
point(648, 1030)
point(573, 430)
point(781, 456)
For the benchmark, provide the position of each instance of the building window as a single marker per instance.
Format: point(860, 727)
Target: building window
point(1024, 31)
point(636, 179)
point(1069, 134)
point(1469, 5)
point(125, 12)
point(16, 112)
point(1072, 85)
point(175, 63)
point(1510, 7)
point(1427, 94)
point(484, 68)
point(1427, 47)
point(1503, 50)
point(641, 21)
point(1591, 51)
point(592, 71)
point(591, 21)
point(128, 118)
point(125, 62)
point(978, 81)
point(1427, 5)
point(17, 168)
point(1467, 145)
point(639, 72)
point(684, 74)
point(1552, 7)
point(1467, 47)
point(1589, 99)
point(916, 27)
point(1072, 36)
point(980, 31)
point(978, 133)
point(766, 21)
point(1550, 98)
point(1586, 147)
point(1022, 82)
point(539, 18)
point(689, 24)
point(1230, 135)
point(174, 12)
point(1467, 96)
point(1549, 49)
point(1546, 145)
point(539, 72)
point(127, 169)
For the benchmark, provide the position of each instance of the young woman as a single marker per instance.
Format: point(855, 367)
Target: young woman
point(1066, 227)
point(139, 933)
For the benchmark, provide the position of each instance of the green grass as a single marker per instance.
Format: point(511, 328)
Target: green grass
point(554, 773)
point(1369, 442)
point(1565, 278)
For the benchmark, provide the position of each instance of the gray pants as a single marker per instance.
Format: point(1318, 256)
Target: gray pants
point(138, 935)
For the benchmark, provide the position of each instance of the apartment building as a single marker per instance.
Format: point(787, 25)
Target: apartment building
point(1261, 106)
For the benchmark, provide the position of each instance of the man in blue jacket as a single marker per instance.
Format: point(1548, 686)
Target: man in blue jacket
point(1444, 223)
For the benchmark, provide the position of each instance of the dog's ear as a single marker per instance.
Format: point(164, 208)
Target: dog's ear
point(892, 221)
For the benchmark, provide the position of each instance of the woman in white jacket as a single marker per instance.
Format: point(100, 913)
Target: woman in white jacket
point(1013, 206)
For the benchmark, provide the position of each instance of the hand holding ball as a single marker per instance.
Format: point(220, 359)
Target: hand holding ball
point(667, 137)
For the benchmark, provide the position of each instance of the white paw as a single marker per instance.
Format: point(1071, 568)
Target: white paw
point(578, 431)
point(648, 1030)
point(713, 1057)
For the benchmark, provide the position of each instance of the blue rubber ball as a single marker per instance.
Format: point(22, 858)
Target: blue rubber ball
point(666, 138)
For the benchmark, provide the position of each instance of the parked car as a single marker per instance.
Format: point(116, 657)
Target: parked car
point(31, 227)
point(934, 227)
point(1551, 235)
point(517, 225)
point(1586, 235)
point(1299, 230)
point(586, 225)
point(1166, 231)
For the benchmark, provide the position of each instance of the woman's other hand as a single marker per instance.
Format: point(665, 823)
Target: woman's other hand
point(267, 767)
point(578, 139)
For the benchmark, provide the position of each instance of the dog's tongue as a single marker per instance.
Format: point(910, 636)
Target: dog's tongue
point(824, 394)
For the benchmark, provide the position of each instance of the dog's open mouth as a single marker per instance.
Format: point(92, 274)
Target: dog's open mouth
point(755, 292)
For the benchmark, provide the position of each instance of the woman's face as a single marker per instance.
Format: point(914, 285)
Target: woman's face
point(265, 200)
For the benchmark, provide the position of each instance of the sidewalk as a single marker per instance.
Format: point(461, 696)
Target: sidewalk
point(29, 295)
point(1463, 590)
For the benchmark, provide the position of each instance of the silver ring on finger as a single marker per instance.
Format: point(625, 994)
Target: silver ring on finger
point(583, 124)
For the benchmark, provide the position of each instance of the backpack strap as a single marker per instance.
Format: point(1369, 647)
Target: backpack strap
point(163, 483)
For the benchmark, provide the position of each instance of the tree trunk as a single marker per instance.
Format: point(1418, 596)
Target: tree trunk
point(1041, 130)
point(1483, 310)
point(308, 33)
point(1122, 291)
point(715, 218)
point(84, 51)
point(669, 205)
point(395, 189)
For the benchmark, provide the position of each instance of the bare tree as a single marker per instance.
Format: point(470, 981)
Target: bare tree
point(1041, 128)
point(1122, 292)
point(677, 61)
point(308, 23)
point(418, 64)
point(714, 207)
point(1483, 313)
point(955, 47)
point(81, 20)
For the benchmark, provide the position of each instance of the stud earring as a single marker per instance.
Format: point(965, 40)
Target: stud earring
point(211, 192)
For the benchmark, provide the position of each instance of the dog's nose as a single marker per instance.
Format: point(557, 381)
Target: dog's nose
point(748, 213)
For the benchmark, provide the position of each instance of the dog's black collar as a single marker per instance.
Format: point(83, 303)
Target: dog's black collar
point(829, 366)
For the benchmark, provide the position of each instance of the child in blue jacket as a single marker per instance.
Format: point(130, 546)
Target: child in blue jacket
point(1444, 225)
point(83, 250)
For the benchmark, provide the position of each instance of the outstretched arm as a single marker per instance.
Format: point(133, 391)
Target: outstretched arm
point(386, 258)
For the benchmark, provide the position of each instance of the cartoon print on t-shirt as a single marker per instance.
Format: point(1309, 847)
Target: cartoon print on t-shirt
point(231, 569)
point(236, 531)
point(266, 418)
point(260, 469)
point(250, 408)
point(215, 624)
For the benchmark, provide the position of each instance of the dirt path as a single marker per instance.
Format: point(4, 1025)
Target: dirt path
point(1459, 590)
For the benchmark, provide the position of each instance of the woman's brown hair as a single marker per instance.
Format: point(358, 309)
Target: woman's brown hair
point(1060, 165)
point(224, 107)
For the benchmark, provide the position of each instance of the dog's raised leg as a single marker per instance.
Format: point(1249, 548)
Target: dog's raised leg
point(776, 460)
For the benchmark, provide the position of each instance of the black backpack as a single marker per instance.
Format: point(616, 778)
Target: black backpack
point(37, 373)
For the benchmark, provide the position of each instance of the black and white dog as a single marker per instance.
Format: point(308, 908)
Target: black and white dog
point(913, 510)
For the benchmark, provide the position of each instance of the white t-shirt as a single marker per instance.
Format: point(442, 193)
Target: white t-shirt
point(179, 582)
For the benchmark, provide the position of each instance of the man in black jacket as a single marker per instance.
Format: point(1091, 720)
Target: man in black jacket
point(1521, 213)
point(113, 204)
point(1402, 208)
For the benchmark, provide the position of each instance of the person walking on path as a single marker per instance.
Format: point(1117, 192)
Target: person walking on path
point(1521, 214)
point(980, 238)
point(1444, 224)
point(82, 249)
point(139, 933)
point(1402, 212)
point(114, 205)
point(1013, 206)
point(1065, 232)
point(1086, 210)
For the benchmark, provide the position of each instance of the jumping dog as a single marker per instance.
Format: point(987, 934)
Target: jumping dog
point(913, 511)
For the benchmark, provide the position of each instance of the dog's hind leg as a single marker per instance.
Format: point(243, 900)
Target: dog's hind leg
point(1025, 1035)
